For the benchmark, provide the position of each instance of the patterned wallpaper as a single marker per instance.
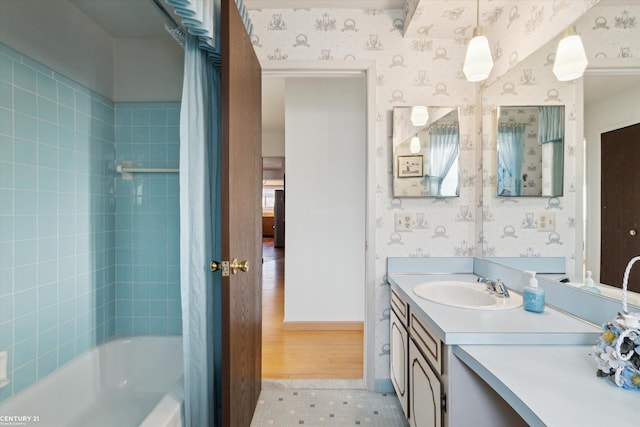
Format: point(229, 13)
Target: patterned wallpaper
point(428, 71)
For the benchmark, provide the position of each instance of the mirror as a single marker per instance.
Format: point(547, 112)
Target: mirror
point(610, 104)
point(426, 154)
point(530, 146)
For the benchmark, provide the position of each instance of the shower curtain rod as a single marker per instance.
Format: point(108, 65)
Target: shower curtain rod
point(174, 29)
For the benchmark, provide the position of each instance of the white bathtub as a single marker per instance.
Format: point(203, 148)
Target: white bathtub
point(126, 382)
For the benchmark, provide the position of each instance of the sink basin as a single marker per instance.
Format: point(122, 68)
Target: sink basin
point(465, 295)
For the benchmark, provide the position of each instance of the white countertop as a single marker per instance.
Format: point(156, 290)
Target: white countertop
point(553, 385)
point(516, 326)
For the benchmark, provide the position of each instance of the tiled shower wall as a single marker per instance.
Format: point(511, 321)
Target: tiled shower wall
point(71, 228)
point(57, 239)
point(147, 221)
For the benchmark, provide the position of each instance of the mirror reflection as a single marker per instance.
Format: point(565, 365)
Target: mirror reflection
point(426, 148)
point(530, 142)
point(611, 128)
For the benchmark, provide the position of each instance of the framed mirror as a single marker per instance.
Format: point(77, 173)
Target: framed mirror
point(530, 147)
point(426, 152)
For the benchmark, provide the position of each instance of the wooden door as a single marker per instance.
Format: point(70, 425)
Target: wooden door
point(620, 209)
point(241, 220)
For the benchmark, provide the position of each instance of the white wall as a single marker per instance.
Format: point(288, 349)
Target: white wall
point(272, 144)
point(325, 199)
point(147, 70)
point(612, 113)
point(58, 35)
point(61, 37)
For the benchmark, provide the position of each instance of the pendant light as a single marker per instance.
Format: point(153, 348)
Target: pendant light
point(414, 146)
point(478, 61)
point(571, 59)
point(419, 115)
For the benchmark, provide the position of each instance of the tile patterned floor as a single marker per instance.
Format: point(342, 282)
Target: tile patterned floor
point(288, 407)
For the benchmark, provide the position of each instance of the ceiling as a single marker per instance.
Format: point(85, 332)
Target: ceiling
point(123, 19)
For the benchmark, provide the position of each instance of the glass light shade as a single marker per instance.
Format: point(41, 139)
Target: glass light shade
point(571, 59)
point(478, 61)
point(419, 115)
point(414, 146)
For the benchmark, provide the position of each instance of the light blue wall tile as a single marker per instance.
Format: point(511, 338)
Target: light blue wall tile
point(47, 87)
point(47, 363)
point(24, 351)
point(66, 352)
point(23, 127)
point(24, 377)
point(25, 102)
point(47, 341)
point(25, 152)
point(24, 77)
point(57, 210)
point(6, 122)
point(48, 295)
point(6, 308)
point(24, 303)
point(47, 110)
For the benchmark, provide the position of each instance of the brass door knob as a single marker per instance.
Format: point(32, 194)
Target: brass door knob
point(242, 265)
point(632, 232)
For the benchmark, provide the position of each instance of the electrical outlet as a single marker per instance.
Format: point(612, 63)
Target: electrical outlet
point(546, 221)
point(404, 222)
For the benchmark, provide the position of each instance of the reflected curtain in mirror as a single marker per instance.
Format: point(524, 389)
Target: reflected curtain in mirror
point(511, 141)
point(426, 157)
point(445, 148)
point(551, 132)
point(530, 143)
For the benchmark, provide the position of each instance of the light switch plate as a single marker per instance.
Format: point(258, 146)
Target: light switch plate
point(403, 221)
point(546, 221)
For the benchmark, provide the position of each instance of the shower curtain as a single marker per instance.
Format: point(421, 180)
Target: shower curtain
point(199, 231)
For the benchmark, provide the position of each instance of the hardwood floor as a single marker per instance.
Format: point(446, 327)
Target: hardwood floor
point(301, 354)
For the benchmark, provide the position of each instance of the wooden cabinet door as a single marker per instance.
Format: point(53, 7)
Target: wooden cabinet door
point(398, 361)
point(425, 391)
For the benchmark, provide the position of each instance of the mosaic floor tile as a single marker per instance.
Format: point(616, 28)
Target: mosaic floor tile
point(315, 407)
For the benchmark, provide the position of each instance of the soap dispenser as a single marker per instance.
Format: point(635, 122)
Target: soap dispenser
point(532, 295)
point(589, 285)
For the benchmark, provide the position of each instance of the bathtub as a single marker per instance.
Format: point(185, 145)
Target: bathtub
point(125, 382)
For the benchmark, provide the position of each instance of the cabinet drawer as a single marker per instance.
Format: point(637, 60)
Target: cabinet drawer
point(428, 342)
point(400, 307)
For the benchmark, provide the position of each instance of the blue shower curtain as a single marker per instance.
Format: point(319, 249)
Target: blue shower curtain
point(199, 231)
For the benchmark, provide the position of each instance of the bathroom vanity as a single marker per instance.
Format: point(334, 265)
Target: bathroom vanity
point(465, 367)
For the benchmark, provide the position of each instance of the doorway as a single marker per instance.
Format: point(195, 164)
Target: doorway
point(620, 204)
point(330, 354)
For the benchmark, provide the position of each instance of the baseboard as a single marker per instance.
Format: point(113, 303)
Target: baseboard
point(323, 326)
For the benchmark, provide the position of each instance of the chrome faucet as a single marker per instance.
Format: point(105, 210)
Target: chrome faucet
point(497, 288)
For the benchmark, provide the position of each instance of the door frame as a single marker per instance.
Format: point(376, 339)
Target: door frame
point(368, 70)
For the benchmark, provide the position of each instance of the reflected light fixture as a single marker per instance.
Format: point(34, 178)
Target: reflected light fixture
point(419, 115)
point(571, 59)
point(414, 146)
point(478, 61)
